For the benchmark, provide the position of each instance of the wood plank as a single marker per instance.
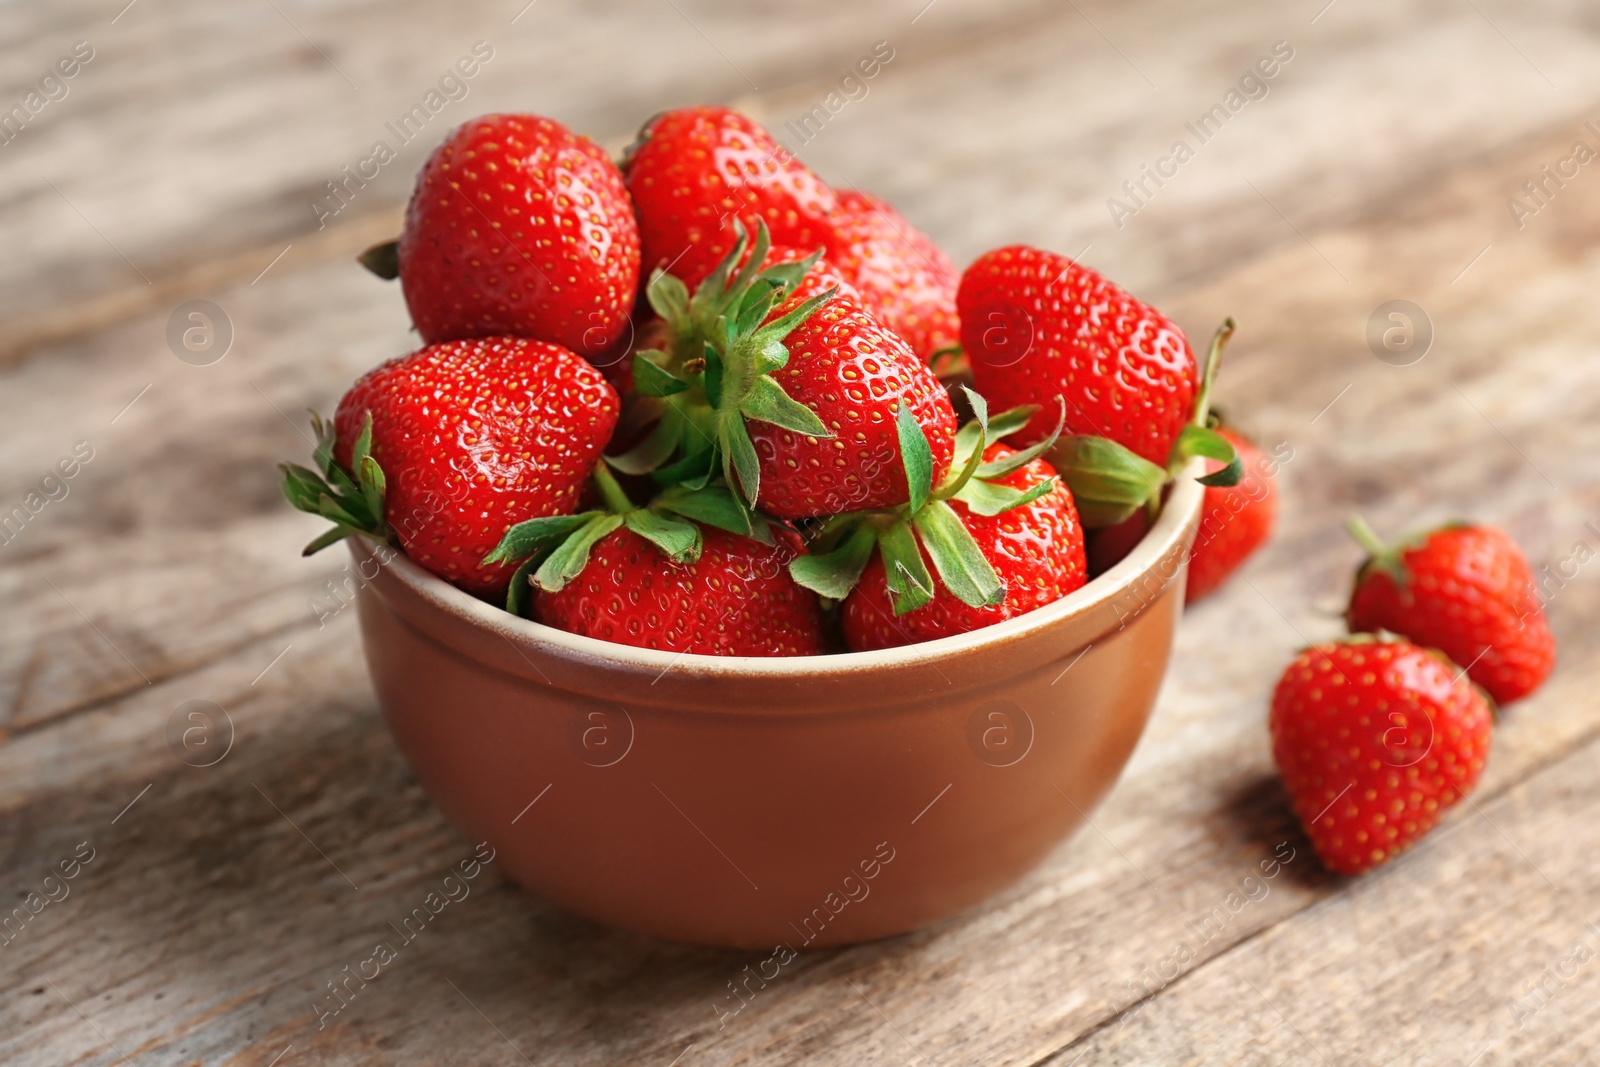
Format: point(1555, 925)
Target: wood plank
point(216, 186)
point(930, 67)
point(207, 924)
point(205, 194)
point(172, 544)
point(271, 922)
point(1477, 948)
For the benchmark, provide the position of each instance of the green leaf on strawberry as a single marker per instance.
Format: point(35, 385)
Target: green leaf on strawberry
point(1109, 481)
point(556, 549)
point(926, 523)
point(353, 504)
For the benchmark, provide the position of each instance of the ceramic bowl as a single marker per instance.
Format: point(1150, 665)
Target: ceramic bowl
point(791, 802)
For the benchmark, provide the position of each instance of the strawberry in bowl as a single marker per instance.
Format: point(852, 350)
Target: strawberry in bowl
point(672, 520)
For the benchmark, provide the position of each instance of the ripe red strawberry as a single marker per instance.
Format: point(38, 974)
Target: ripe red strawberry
point(1375, 739)
point(905, 279)
point(737, 599)
point(694, 171)
point(465, 439)
point(519, 226)
point(794, 392)
point(1235, 520)
point(1036, 549)
point(1036, 325)
point(1465, 590)
point(852, 373)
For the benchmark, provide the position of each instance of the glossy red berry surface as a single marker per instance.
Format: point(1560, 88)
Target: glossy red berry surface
point(474, 437)
point(519, 226)
point(737, 599)
point(1036, 550)
point(1036, 325)
point(1375, 740)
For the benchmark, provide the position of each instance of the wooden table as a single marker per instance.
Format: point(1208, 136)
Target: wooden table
point(225, 877)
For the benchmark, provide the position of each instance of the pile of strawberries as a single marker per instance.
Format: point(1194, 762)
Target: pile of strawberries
point(1377, 735)
point(705, 403)
point(690, 402)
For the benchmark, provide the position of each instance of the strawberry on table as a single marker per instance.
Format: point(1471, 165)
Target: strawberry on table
point(1036, 325)
point(445, 449)
point(518, 226)
point(694, 172)
point(1375, 739)
point(904, 279)
point(690, 572)
point(1466, 590)
point(1235, 520)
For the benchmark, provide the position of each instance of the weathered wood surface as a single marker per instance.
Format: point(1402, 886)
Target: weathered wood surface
point(219, 904)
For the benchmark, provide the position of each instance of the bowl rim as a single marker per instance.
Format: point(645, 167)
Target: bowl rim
point(1158, 544)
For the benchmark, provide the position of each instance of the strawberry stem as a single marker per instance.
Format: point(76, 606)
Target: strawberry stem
point(1208, 377)
point(1380, 556)
point(1366, 537)
point(616, 500)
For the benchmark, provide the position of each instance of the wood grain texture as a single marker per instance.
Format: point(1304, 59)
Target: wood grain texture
point(220, 904)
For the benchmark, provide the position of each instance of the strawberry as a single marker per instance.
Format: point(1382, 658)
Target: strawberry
point(517, 226)
point(445, 449)
point(1465, 590)
point(905, 280)
point(876, 561)
point(852, 373)
point(695, 171)
point(1036, 550)
point(1036, 325)
point(690, 572)
point(1111, 483)
point(1235, 520)
point(794, 395)
point(1375, 739)
point(736, 599)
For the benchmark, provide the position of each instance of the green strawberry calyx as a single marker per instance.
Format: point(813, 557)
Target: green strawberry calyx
point(1389, 559)
point(1109, 481)
point(1381, 557)
point(353, 502)
point(555, 549)
point(927, 522)
point(382, 259)
point(715, 372)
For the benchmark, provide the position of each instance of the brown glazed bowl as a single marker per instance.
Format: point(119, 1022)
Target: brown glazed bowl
point(786, 802)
